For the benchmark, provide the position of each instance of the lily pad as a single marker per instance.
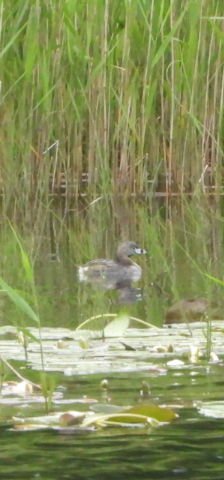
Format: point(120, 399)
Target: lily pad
point(162, 414)
point(140, 415)
point(117, 327)
point(212, 409)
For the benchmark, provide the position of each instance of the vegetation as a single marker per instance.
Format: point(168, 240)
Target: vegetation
point(109, 98)
point(111, 128)
point(104, 96)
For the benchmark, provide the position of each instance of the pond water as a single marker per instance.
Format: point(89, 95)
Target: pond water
point(190, 447)
point(185, 245)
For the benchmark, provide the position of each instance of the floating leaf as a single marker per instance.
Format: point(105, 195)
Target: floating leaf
point(127, 420)
point(162, 414)
point(139, 414)
point(119, 419)
point(212, 409)
point(117, 327)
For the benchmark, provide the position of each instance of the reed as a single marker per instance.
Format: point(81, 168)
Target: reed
point(39, 272)
point(101, 96)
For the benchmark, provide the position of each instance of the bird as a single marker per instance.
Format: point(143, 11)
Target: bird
point(113, 274)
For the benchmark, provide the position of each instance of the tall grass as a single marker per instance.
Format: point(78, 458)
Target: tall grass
point(127, 95)
point(182, 248)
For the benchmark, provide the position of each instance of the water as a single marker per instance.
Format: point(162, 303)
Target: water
point(172, 454)
point(190, 447)
point(184, 242)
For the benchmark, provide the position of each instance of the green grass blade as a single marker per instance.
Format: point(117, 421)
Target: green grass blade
point(215, 279)
point(27, 266)
point(19, 301)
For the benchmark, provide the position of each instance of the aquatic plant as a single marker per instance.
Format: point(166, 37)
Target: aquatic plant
point(99, 97)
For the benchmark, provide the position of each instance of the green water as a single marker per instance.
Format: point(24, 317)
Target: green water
point(191, 447)
point(180, 452)
point(184, 241)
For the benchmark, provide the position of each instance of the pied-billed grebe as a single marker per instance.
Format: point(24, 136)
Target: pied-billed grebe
point(118, 273)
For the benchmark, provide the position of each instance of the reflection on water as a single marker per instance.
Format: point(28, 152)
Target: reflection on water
point(129, 295)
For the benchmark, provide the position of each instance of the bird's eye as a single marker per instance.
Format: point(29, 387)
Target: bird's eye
point(139, 251)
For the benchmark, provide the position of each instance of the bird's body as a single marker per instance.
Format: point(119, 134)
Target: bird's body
point(111, 274)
